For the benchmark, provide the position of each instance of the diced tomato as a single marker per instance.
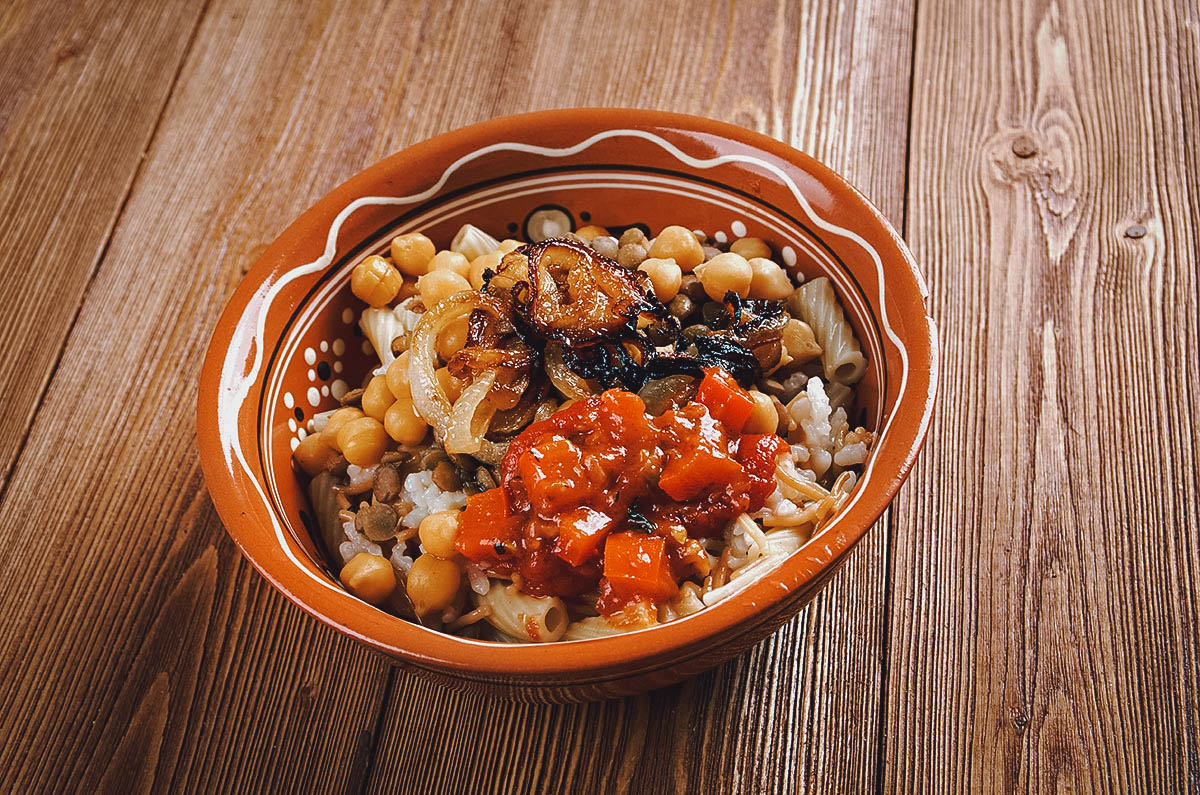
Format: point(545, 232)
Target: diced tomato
point(757, 454)
point(692, 471)
point(580, 534)
point(554, 476)
point(726, 401)
point(545, 574)
point(636, 564)
point(487, 529)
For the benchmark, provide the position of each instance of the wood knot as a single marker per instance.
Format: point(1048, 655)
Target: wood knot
point(1135, 231)
point(1018, 718)
point(1023, 146)
point(72, 48)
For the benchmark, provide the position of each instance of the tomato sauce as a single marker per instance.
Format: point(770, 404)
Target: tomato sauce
point(603, 496)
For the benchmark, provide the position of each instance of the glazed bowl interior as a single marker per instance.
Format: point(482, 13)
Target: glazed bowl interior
point(289, 344)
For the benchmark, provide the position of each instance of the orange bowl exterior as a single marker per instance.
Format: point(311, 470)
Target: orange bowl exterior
point(286, 345)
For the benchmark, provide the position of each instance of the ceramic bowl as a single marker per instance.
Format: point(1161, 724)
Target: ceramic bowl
point(287, 345)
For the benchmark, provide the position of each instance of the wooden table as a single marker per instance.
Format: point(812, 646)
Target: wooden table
point(1025, 617)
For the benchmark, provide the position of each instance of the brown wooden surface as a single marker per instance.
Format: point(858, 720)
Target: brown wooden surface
point(1026, 617)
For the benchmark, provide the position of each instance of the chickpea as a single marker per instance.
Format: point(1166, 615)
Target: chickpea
point(412, 253)
point(335, 422)
point(751, 247)
point(404, 424)
point(362, 441)
point(397, 377)
point(665, 275)
point(432, 583)
point(375, 281)
point(377, 398)
point(799, 341)
point(452, 386)
point(439, 284)
point(453, 338)
point(482, 263)
point(437, 532)
point(764, 418)
point(508, 244)
point(725, 273)
point(606, 246)
point(631, 255)
point(369, 577)
point(678, 243)
point(314, 455)
point(769, 280)
point(451, 260)
point(590, 231)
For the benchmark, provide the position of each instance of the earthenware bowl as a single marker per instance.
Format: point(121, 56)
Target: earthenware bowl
point(286, 346)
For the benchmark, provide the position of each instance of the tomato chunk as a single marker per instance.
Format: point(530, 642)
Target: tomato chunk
point(487, 529)
point(728, 402)
point(636, 565)
point(580, 534)
point(553, 474)
point(757, 454)
point(691, 472)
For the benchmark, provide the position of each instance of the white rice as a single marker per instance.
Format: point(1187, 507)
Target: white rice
point(359, 475)
point(356, 543)
point(851, 454)
point(400, 561)
point(426, 498)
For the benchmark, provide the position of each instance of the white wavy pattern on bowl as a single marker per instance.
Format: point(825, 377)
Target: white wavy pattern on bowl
point(236, 383)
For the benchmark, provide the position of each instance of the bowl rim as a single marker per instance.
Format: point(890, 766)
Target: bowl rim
point(609, 657)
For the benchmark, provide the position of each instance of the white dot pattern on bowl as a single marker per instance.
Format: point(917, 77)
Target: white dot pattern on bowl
point(720, 237)
point(347, 315)
point(322, 368)
point(738, 229)
point(789, 256)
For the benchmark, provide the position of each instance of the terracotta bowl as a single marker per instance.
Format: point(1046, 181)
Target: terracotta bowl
point(287, 344)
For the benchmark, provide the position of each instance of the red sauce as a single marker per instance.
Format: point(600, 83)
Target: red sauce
point(604, 496)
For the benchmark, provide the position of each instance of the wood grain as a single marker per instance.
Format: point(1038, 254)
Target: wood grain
point(1041, 629)
point(82, 85)
point(238, 684)
point(1045, 625)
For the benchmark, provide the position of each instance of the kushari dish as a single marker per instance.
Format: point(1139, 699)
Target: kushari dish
point(583, 435)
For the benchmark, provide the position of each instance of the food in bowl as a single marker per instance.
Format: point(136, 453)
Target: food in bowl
point(585, 434)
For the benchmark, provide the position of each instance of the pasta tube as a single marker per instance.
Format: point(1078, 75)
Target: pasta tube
point(529, 618)
point(841, 356)
point(591, 627)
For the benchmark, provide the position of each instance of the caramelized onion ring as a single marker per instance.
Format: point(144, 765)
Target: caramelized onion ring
point(470, 416)
point(564, 378)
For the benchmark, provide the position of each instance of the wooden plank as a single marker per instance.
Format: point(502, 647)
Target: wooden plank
point(803, 708)
point(165, 660)
point(82, 85)
point(1047, 568)
point(138, 648)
